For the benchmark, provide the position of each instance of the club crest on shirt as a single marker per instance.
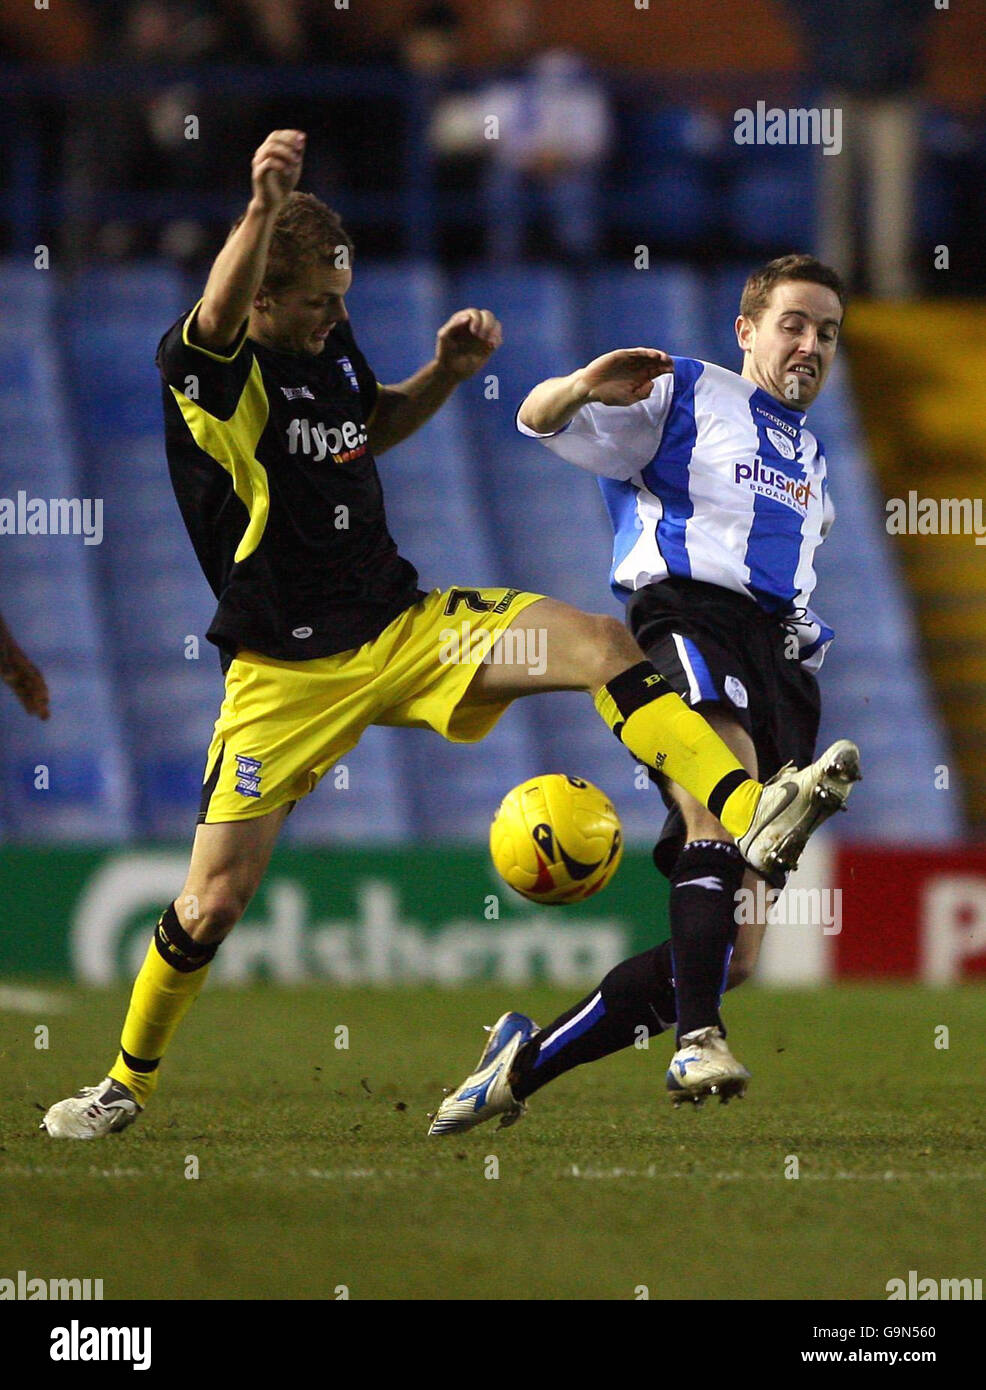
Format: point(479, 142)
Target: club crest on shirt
point(736, 691)
point(350, 371)
point(783, 445)
point(293, 393)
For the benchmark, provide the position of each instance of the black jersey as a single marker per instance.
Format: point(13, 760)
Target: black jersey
point(276, 482)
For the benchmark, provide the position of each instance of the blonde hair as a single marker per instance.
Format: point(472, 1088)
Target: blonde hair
point(306, 231)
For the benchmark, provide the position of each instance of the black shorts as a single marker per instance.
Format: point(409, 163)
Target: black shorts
point(714, 646)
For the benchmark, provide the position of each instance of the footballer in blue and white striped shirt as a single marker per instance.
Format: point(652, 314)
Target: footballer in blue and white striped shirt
point(718, 497)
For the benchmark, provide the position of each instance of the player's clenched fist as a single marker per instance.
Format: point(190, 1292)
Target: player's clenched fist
point(466, 341)
point(276, 168)
point(623, 377)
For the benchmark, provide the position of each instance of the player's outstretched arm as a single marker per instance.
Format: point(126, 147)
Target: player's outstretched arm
point(463, 345)
point(622, 377)
point(238, 270)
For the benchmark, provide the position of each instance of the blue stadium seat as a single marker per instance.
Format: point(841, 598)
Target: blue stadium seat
point(28, 298)
point(771, 211)
point(873, 683)
point(662, 307)
point(88, 797)
point(455, 787)
point(470, 502)
point(363, 799)
point(49, 598)
point(663, 190)
point(396, 310)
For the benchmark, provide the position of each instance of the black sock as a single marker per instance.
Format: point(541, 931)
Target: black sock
point(635, 995)
point(704, 882)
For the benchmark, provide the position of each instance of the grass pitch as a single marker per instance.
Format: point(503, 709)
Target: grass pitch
point(315, 1172)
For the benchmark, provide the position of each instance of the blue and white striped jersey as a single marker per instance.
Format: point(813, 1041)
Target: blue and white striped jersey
point(710, 478)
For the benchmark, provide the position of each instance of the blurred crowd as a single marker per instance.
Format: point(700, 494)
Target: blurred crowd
point(537, 154)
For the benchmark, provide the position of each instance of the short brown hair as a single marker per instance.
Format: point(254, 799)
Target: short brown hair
point(760, 285)
point(305, 232)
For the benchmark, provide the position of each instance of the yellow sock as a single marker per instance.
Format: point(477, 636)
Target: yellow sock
point(162, 995)
point(660, 729)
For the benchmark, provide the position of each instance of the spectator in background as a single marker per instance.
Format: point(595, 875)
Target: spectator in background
point(546, 153)
point(869, 58)
point(137, 139)
point(450, 116)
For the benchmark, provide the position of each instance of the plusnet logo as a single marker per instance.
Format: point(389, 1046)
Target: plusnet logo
point(775, 483)
point(52, 516)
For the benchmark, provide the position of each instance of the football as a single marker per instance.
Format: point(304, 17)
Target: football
point(556, 839)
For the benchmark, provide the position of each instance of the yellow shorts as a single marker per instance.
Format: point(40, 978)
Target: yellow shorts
point(284, 724)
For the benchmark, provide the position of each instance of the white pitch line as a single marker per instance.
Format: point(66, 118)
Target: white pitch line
point(16, 1000)
point(274, 1175)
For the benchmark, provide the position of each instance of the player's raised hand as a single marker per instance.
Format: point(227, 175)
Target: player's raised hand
point(625, 376)
point(276, 168)
point(466, 341)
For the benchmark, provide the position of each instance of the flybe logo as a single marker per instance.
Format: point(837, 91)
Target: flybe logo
point(774, 483)
point(346, 442)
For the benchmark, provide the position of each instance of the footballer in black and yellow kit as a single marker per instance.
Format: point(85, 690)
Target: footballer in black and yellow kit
point(323, 626)
point(271, 418)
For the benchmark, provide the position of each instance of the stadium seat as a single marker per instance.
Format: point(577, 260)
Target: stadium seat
point(67, 778)
point(873, 683)
point(769, 211)
point(661, 307)
point(363, 799)
point(663, 187)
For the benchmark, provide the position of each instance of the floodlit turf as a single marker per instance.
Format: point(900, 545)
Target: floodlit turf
point(315, 1170)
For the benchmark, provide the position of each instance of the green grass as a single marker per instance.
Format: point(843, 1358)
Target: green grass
point(315, 1170)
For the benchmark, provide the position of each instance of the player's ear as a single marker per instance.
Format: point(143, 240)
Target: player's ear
point(744, 332)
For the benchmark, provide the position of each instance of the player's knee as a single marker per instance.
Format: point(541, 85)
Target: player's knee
point(609, 649)
point(213, 911)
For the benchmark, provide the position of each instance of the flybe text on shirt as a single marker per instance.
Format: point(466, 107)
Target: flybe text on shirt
point(346, 442)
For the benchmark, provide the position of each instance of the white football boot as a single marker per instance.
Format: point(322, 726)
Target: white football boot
point(793, 805)
point(486, 1093)
point(704, 1066)
point(93, 1112)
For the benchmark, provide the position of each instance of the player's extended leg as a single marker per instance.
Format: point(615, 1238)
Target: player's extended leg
point(681, 979)
point(637, 998)
point(552, 646)
point(227, 864)
point(705, 879)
